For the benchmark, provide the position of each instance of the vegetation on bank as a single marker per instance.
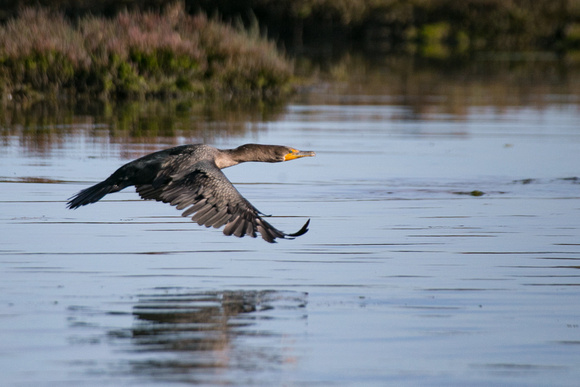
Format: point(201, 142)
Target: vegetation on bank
point(133, 48)
point(415, 26)
point(136, 54)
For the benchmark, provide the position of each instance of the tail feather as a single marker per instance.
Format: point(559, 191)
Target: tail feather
point(91, 194)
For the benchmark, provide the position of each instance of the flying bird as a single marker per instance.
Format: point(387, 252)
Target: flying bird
point(190, 177)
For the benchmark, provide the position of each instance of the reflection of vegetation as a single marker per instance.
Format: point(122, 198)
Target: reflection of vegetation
point(135, 54)
point(455, 86)
point(42, 125)
point(424, 86)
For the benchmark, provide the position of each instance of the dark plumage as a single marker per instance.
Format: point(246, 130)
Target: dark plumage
point(190, 177)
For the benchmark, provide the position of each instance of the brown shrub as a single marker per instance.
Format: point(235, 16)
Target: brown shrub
point(136, 53)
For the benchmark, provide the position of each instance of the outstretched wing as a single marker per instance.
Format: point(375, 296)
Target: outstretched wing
point(207, 194)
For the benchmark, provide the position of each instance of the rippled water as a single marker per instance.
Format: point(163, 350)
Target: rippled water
point(444, 249)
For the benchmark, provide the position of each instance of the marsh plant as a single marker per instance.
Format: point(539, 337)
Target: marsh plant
point(135, 54)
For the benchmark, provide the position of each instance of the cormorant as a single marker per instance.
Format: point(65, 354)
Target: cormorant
point(191, 176)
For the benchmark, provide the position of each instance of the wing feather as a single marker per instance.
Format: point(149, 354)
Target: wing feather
point(205, 192)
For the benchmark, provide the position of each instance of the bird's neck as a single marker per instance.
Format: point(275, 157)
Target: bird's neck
point(249, 152)
point(230, 157)
point(225, 159)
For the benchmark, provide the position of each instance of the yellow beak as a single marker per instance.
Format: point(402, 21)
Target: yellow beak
point(296, 154)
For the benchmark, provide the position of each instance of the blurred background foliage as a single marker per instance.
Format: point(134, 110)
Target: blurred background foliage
point(427, 27)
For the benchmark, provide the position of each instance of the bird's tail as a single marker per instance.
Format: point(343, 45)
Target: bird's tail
point(92, 194)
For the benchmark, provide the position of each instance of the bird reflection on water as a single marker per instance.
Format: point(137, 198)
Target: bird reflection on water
point(188, 337)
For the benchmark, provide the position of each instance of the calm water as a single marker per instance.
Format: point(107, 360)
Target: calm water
point(405, 278)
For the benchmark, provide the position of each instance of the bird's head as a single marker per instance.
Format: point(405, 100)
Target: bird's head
point(271, 153)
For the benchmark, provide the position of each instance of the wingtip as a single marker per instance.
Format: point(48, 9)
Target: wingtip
point(302, 231)
point(273, 238)
point(72, 203)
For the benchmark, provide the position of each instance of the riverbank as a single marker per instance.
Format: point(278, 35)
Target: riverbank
point(136, 54)
point(179, 52)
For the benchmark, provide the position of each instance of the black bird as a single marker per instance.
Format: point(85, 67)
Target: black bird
point(191, 176)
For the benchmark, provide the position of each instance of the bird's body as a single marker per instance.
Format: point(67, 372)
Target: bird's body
point(190, 176)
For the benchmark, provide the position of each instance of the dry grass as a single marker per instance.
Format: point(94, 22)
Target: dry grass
point(136, 54)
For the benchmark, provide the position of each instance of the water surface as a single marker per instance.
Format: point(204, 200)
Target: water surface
point(444, 244)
